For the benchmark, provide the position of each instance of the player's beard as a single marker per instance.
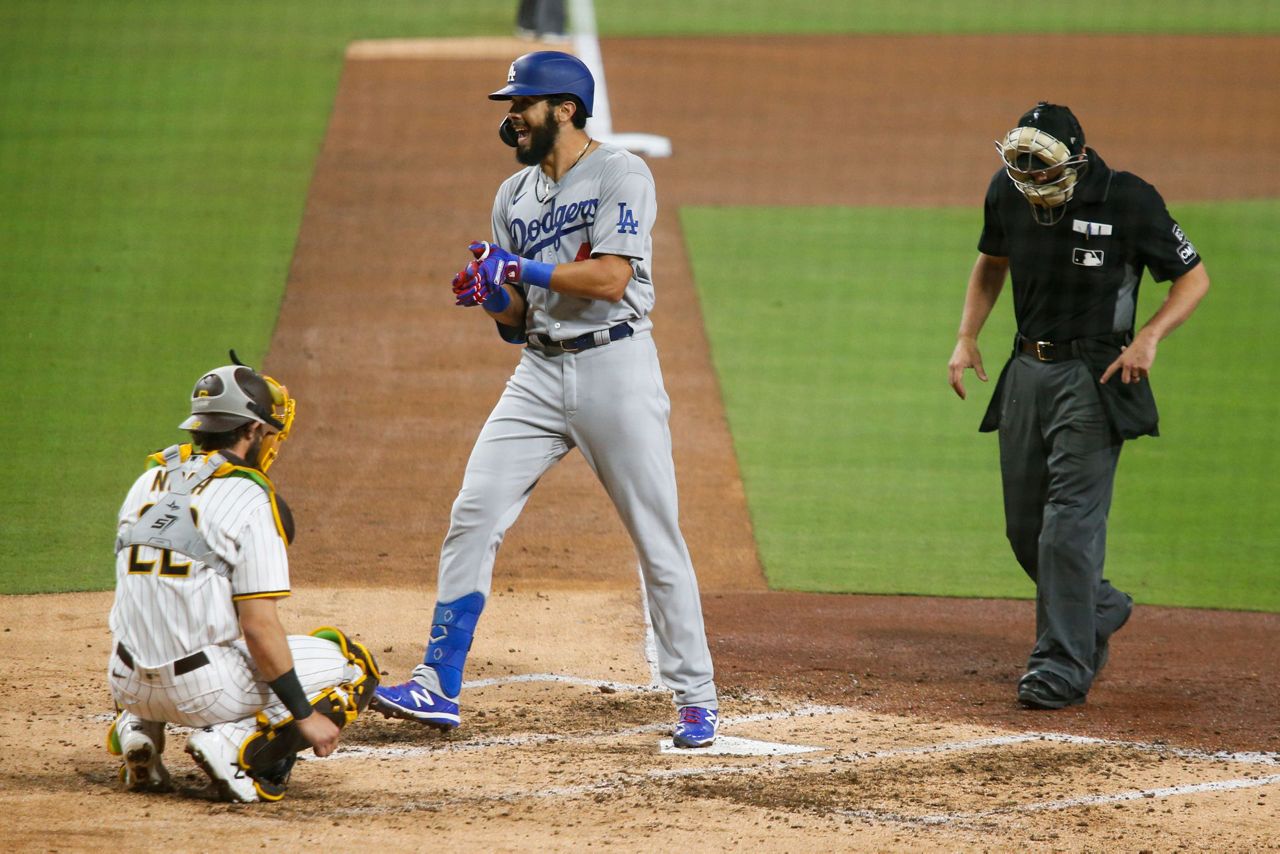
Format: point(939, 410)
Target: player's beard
point(542, 138)
point(254, 454)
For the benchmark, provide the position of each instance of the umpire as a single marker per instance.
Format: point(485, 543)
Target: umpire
point(1074, 235)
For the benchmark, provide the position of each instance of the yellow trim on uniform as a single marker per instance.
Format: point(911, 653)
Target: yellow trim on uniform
point(263, 481)
point(184, 454)
point(272, 594)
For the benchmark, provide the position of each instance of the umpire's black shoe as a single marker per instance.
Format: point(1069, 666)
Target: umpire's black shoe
point(1041, 689)
point(1102, 651)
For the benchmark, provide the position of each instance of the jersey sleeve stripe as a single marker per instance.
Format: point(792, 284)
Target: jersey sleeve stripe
point(266, 594)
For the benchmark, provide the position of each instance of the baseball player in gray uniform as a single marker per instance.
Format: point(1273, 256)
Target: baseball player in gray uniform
point(569, 275)
point(200, 558)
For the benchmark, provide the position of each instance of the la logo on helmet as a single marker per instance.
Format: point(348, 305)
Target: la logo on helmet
point(511, 73)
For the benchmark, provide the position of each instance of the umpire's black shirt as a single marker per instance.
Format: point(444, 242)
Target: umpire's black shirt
point(1079, 277)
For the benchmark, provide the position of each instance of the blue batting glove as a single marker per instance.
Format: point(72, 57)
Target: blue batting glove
point(497, 265)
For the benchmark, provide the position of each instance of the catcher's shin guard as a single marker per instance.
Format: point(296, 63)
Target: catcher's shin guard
point(268, 754)
point(452, 628)
point(359, 655)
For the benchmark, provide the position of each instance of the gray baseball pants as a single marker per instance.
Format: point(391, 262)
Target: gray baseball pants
point(1058, 457)
point(609, 402)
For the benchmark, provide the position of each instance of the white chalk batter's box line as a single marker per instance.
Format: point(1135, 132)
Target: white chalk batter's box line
point(351, 752)
point(619, 782)
point(1248, 758)
point(965, 818)
point(345, 752)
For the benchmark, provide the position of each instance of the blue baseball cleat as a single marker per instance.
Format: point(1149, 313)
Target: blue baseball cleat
point(696, 727)
point(413, 702)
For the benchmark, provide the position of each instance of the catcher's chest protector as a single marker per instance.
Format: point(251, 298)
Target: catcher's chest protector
point(169, 524)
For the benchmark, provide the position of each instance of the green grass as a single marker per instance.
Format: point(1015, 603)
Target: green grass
point(865, 473)
point(154, 161)
point(718, 17)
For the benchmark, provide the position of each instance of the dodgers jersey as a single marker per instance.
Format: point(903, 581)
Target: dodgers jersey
point(167, 605)
point(604, 205)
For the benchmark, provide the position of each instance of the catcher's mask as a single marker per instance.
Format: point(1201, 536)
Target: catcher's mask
point(233, 395)
point(1045, 156)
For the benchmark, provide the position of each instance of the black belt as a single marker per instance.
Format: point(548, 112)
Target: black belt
point(182, 666)
point(584, 342)
point(1048, 351)
point(1061, 351)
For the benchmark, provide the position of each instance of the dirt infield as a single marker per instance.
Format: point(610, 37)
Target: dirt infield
point(876, 723)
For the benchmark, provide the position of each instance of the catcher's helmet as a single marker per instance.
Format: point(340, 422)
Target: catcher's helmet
point(549, 72)
point(1048, 144)
point(233, 395)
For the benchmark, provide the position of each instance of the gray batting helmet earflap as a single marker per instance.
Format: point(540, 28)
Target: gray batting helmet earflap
point(549, 72)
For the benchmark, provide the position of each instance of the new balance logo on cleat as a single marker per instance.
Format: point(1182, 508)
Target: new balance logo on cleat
point(422, 698)
point(411, 701)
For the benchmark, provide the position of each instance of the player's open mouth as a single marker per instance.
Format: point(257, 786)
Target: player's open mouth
point(522, 134)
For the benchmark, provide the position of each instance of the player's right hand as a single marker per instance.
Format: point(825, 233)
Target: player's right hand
point(474, 286)
point(966, 355)
point(320, 732)
point(468, 286)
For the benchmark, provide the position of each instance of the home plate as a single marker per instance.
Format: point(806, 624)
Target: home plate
point(727, 745)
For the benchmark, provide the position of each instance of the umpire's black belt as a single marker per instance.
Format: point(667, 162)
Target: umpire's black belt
point(583, 342)
point(182, 666)
point(1047, 351)
point(1061, 351)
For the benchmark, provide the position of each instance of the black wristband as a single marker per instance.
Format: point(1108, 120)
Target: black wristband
point(289, 690)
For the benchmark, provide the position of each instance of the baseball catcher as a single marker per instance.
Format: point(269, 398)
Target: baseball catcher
point(196, 639)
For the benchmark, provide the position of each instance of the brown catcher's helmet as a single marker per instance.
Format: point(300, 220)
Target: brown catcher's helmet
point(1044, 156)
point(234, 395)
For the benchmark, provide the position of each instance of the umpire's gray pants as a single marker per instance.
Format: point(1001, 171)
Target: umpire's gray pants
point(1058, 458)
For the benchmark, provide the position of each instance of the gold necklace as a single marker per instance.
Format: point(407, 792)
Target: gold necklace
point(581, 154)
point(537, 185)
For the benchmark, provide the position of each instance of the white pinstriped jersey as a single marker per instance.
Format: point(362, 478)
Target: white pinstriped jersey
point(168, 606)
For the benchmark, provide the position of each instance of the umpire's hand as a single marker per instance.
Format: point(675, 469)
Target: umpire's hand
point(966, 355)
point(1134, 362)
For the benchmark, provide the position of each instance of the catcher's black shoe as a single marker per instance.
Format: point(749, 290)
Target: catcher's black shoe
point(1041, 689)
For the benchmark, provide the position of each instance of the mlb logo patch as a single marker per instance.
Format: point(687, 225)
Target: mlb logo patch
point(1087, 257)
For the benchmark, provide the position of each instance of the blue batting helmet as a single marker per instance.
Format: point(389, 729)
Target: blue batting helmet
point(549, 72)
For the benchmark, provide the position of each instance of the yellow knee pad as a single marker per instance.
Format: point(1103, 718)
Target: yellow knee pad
point(273, 746)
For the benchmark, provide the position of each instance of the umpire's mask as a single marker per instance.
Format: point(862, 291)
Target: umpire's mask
point(1045, 156)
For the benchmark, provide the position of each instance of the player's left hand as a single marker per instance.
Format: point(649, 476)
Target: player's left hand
point(496, 264)
point(1134, 362)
